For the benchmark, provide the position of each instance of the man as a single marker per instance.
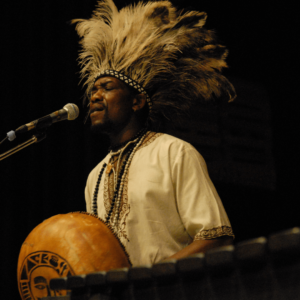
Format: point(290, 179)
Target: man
point(144, 65)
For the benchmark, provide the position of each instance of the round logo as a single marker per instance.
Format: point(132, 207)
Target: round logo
point(37, 270)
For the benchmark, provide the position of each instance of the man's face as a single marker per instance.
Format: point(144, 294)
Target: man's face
point(110, 105)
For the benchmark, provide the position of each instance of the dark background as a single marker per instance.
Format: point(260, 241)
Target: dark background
point(40, 75)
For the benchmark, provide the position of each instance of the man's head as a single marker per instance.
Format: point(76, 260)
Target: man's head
point(115, 106)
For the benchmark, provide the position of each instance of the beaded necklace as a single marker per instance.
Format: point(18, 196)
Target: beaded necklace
point(118, 180)
point(94, 203)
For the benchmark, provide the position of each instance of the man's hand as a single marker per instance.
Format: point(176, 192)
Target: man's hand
point(202, 246)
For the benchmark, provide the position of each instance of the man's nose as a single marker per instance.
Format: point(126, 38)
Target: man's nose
point(97, 96)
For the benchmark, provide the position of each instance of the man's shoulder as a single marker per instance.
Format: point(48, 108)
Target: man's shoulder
point(169, 145)
point(168, 148)
point(167, 141)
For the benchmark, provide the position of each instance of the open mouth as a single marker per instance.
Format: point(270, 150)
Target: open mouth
point(95, 110)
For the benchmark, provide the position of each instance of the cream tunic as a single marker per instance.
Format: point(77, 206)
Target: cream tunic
point(168, 200)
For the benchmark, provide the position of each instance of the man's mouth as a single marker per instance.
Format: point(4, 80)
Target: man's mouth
point(96, 109)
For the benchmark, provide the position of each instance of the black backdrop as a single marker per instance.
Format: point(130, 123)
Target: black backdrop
point(40, 75)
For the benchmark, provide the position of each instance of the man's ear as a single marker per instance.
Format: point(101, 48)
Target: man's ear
point(139, 101)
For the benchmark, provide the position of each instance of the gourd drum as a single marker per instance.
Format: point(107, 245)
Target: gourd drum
point(64, 245)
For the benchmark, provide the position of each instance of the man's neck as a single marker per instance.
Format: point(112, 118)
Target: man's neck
point(124, 135)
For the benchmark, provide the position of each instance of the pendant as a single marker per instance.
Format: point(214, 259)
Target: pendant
point(109, 167)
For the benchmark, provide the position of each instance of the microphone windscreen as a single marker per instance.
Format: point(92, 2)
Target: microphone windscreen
point(73, 111)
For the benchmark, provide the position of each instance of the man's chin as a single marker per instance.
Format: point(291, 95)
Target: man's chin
point(101, 128)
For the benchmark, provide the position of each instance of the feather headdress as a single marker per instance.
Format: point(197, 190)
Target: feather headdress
point(162, 53)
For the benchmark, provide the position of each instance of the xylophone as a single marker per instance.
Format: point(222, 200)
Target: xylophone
point(261, 268)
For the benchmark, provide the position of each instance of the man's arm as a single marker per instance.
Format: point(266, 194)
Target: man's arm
point(202, 246)
point(199, 205)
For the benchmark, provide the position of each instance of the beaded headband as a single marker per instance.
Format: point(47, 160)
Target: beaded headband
point(127, 80)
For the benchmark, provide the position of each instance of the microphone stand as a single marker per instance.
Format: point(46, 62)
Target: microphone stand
point(34, 139)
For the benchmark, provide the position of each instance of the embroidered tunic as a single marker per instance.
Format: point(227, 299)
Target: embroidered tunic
point(168, 200)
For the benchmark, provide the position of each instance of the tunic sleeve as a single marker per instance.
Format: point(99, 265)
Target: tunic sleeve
point(198, 202)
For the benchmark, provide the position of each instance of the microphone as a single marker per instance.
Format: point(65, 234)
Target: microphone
point(70, 111)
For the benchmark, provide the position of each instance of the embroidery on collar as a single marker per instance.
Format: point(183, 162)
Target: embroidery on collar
point(125, 205)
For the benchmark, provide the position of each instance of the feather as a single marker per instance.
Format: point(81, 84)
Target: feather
point(171, 55)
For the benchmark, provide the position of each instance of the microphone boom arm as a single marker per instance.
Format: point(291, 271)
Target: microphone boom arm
point(34, 139)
